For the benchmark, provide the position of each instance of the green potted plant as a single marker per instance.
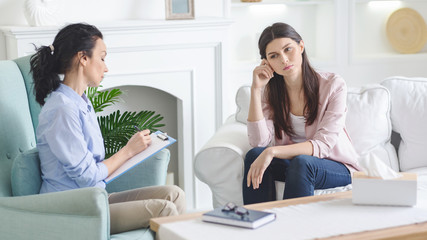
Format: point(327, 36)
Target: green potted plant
point(117, 127)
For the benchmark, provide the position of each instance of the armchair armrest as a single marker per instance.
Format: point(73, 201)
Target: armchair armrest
point(220, 162)
point(150, 172)
point(81, 213)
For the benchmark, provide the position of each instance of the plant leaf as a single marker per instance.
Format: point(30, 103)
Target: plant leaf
point(101, 100)
point(117, 128)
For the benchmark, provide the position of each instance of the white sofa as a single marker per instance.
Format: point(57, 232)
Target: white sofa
point(393, 111)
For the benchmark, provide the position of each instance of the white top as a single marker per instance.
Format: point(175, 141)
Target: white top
point(298, 123)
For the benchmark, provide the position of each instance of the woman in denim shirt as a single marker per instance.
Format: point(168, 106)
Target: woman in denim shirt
point(69, 139)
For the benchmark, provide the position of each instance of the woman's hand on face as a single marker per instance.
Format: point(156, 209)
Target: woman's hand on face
point(262, 74)
point(258, 167)
point(139, 142)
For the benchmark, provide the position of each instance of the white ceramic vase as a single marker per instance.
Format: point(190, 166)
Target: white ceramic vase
point(43, 12)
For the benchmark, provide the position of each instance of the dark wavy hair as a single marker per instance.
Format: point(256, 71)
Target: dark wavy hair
point(276, 91)
point(46, 65)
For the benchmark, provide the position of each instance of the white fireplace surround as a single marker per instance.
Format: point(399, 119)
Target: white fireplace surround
point(184, 58)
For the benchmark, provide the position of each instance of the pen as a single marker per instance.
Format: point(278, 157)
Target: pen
point(162, 136)
point(137, 128)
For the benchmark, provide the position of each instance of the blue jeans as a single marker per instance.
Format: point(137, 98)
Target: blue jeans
point(302, 174)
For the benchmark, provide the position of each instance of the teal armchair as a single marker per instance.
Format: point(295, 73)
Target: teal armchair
point(75, 214)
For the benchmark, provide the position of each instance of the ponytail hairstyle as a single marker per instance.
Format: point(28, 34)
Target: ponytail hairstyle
point(50, 61)
point(277, 94)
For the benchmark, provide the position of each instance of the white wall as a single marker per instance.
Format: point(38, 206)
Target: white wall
point(93, 11)
point(343, 36)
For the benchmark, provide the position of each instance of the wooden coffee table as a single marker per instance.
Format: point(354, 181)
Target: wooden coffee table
point(413, 231)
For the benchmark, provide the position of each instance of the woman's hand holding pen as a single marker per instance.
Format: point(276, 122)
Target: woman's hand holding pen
point(262, 74)
point(136, 144)
point(139, 142)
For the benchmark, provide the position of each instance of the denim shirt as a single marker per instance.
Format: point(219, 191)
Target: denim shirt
point(70, 144)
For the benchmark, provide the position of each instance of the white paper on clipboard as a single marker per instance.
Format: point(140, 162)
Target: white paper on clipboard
point(156, 145)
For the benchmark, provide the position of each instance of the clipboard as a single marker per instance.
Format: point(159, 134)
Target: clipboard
point(159, 140)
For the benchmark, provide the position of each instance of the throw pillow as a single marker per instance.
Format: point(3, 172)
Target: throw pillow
point(409, 118)
point(243, 98)
point(26, 174)
point(369, 125)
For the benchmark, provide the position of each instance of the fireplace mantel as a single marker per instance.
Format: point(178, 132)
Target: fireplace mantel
point(129, 25)
point(13, 35)
point(184, 58)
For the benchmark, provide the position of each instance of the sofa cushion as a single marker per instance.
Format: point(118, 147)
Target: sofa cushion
point(5, 185)
point(26, 174)
point(243, 98)
point(369, 125)
point(139, 234)
point(409, 118)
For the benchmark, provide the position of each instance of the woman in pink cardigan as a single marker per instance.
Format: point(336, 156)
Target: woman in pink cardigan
point(296, 123)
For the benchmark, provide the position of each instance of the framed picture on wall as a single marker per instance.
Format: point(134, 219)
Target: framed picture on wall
point(179, 9)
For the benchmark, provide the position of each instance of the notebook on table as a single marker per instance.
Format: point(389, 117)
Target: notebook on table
point(239, 216)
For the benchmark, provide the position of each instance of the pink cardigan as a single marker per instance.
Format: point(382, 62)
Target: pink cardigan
point(327, 134)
